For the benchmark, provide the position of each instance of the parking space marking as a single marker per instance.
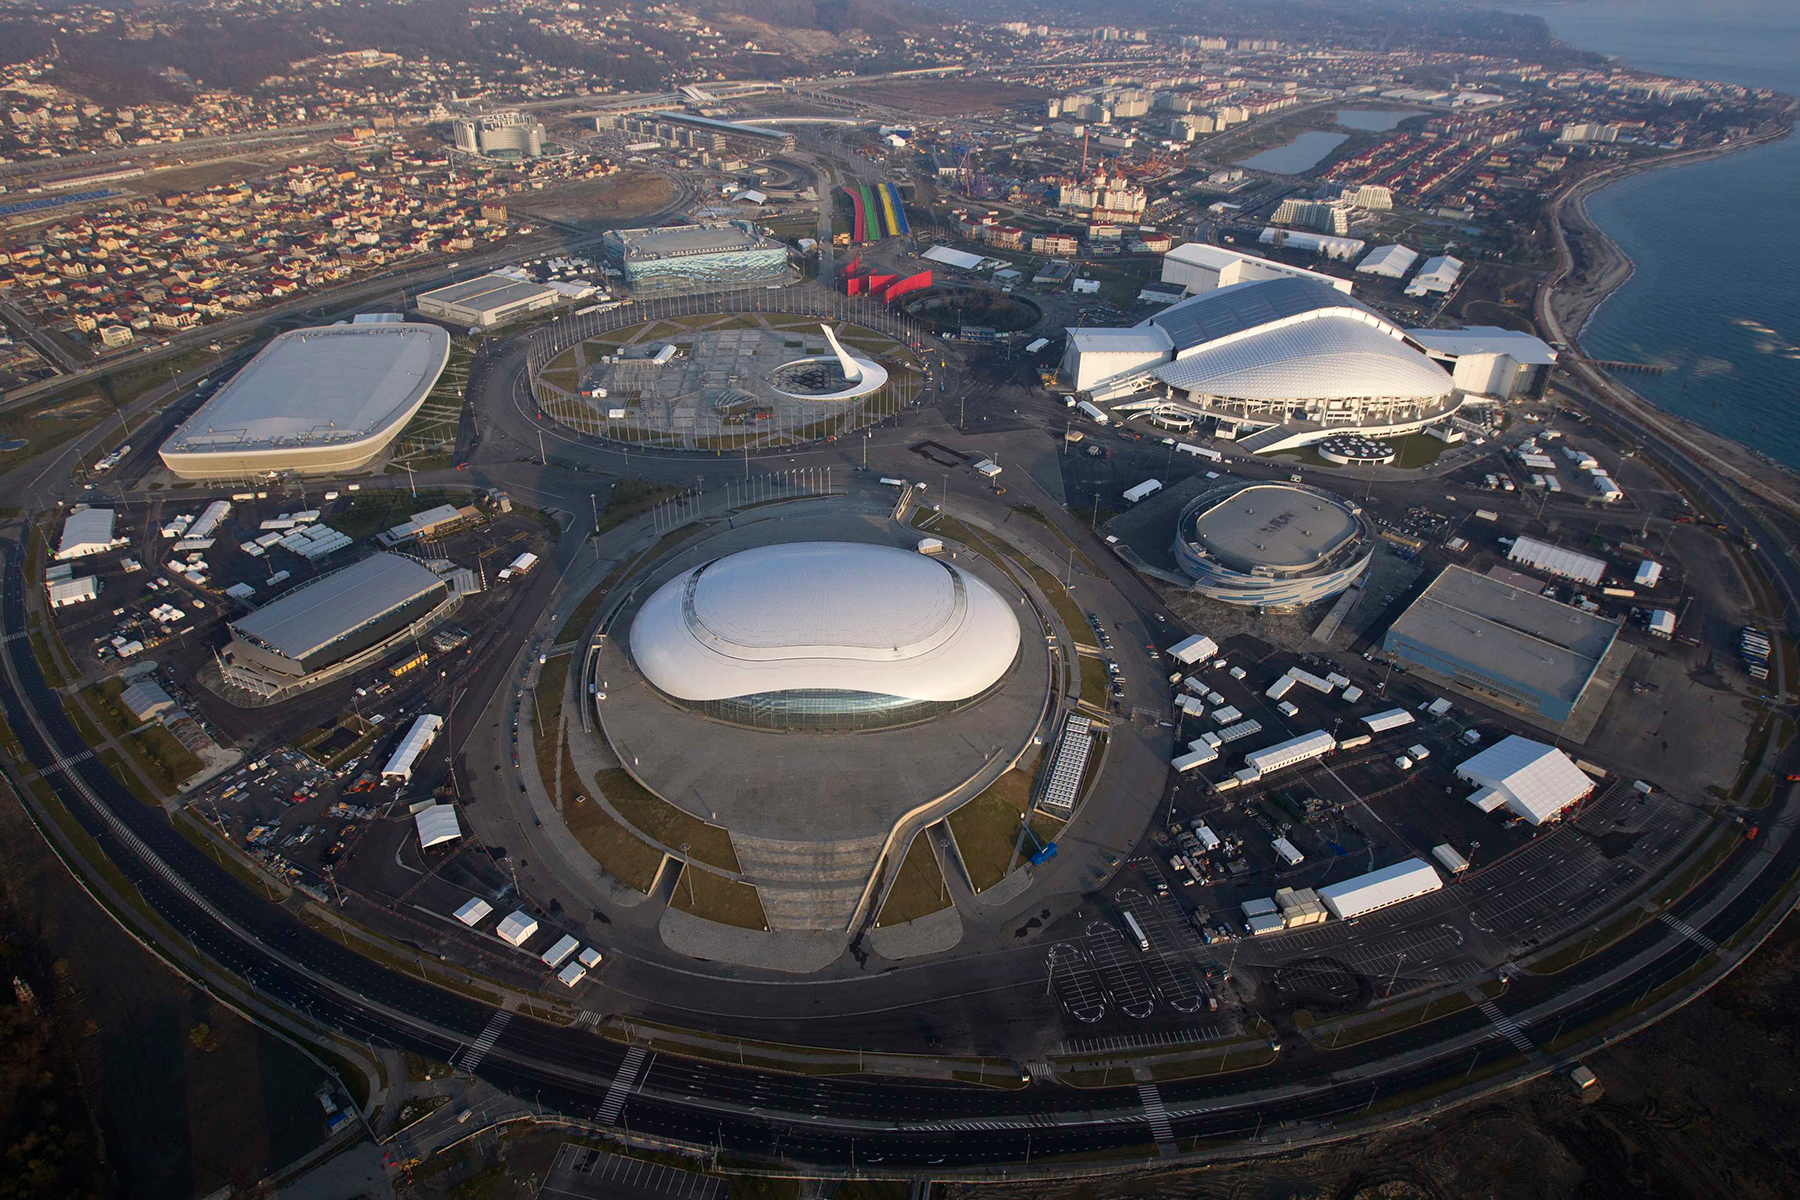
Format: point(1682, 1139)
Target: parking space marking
point(1122, 976)
point(1077, 987)
point(1140, 1041)
point(584, 1173)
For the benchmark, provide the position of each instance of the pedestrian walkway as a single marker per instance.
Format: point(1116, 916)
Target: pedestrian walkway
point(1689, 932)
point(614, 1103)
point(478, 1049)
point(1507, 1026)
point(1158, 1116)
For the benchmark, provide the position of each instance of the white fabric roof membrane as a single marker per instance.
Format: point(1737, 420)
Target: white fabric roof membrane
point(1486, 339)
point(1536, 781)
point(1328, 355)
point(437, 825)
point(1379, 888)
point(837, 616)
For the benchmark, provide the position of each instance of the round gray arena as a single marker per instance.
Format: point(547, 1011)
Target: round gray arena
point(1272, 545)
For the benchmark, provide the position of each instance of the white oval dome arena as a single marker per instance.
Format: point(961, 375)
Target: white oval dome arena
point(825, 635)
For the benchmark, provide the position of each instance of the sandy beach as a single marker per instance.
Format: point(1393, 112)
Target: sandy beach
point(1570, 297)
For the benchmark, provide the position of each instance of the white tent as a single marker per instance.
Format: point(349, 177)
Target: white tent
point(1535, 781)
point(437, 825)
point(474, 912)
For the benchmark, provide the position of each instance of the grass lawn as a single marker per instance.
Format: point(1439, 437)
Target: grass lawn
point(987, 828)
point(661, 821)
point(162, 756)
point(622, 854)
point(546, 721)
point(375, 511)
point(1046, 827)
point(919, 889)
point(1093, 682)
point(633, 498)
point(1395, 1022)
point(715, 898)
point(1067, 610)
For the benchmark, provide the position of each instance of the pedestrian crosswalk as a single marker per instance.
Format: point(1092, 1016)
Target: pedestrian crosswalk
point(1507, 1026)
point(478, 1049)
point(1158, 1116)
point(614, 1104)
point(588, 1020)
point(1689, 932)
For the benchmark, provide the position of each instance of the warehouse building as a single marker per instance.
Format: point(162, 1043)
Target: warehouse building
point(145, 699)
point(1393, 884)
point(486, 301)
point(1534, 782)
point(74, 590)
point(436, 825)
point(335, 617)
point(87, 531)
point(1198, 267)
point(1554, 560)
point(1304, 748)
point(313, 402)
point(675, 257)
point(418, 739)
point(1488, 360)
point(1389, 262)
point(1506, 644)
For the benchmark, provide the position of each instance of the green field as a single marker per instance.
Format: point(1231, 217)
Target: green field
point(919, 889)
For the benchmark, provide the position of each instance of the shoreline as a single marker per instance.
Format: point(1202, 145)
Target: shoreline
point(1564, 305)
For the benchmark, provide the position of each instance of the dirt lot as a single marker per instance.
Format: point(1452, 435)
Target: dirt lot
point(946, 97)
point(603, 203)
point(188, 1096)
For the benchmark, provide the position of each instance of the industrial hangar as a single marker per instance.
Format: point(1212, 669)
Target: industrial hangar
point(320, 401)
point(1505, 643)
point(1272, 545)
point(486, 300)
point(329, 621)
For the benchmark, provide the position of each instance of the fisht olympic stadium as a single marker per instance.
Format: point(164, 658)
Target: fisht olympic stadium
point(1282, 362)
point(1272, 545)
point(825, 636)
point(313, 402)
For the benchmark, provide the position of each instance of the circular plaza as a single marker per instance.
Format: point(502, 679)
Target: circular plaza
point(728, 381)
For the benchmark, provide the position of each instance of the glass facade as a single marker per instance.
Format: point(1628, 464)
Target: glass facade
point(825, 710)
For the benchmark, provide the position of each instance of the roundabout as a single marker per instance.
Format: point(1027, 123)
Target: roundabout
point(950, 309)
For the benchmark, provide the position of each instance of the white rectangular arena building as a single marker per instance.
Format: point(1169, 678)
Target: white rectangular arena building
point(317, 401)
